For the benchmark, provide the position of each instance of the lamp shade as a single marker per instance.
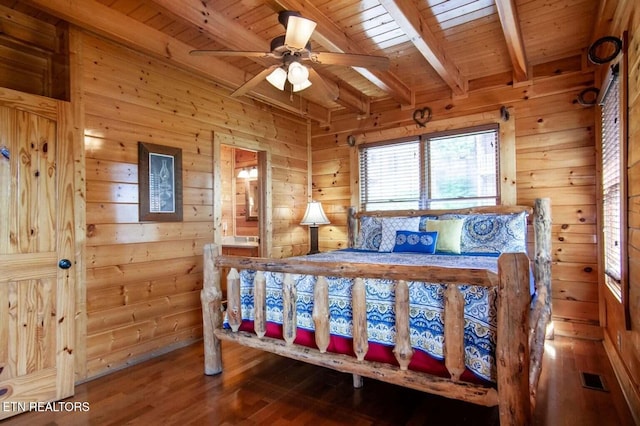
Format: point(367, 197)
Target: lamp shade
point(277, 78)
point(314, 215)
point(301, 86)
point(243, 174)
point(298, 73)
point(299, 32)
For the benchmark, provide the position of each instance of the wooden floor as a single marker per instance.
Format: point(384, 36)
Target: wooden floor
point(258, 388)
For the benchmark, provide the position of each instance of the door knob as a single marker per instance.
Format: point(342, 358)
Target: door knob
point(64, 264)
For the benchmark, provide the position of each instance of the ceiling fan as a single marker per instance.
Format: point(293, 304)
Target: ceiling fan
point(289, 51)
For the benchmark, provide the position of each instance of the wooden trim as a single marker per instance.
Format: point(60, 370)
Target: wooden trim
point(265, 221)
point(464, 391)
point(624, 190)
point(502, 209)
point(68, 142)
point(480, 277)
point(76, 73)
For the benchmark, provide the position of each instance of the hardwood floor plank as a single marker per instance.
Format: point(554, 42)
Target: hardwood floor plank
point(257, 388)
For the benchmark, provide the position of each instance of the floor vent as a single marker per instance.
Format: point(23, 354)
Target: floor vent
point(593, 381)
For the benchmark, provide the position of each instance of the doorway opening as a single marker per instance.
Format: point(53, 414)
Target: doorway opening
point(243, 199)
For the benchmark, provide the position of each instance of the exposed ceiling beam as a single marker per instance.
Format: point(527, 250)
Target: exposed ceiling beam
point(513, 36)
point(103, 20)
point(236, 37)
point(408, 17)
point(329, 35)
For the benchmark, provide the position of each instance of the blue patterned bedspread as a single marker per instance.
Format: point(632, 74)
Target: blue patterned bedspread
point(426, 304)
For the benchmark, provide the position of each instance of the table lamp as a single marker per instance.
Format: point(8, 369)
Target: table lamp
point(313, 217)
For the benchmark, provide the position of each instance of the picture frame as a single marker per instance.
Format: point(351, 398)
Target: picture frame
point(159, 183)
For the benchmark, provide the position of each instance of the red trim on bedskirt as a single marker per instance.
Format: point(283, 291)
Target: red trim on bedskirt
point(421, 361)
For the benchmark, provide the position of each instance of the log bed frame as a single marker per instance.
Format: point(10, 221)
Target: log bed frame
point(521, 326)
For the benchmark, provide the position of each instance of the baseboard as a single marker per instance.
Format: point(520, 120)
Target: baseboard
point(142, 358)
point(577, 330)
point(631, 394)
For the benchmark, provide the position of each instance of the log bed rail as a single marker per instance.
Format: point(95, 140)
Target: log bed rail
point(519, 341)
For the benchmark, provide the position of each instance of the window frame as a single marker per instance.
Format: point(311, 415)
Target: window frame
point(424, 141)
point(618, 70)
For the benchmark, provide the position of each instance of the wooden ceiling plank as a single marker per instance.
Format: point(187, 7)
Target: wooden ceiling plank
point(513, 36)
point(408, 17)
point(329, 35)
point(96, 17)
point(229, 33)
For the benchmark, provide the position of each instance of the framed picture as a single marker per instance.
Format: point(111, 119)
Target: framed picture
point(159, 183)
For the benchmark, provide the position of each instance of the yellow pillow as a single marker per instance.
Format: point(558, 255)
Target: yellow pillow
point(449, 234)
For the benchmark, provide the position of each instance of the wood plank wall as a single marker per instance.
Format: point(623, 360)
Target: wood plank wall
point(144, 279)
point(555, 154)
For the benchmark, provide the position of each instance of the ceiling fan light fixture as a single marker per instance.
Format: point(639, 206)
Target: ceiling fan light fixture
point(277, 78)
point(301, 86)
point(298, 73)
point(299, 32)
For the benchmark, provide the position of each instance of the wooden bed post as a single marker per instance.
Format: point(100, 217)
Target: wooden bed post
point(234, 307)
point(541, 310)
point(352, 227)
point(260, 304)
point(512, 346)
point(211, 299)
point(320, 313)
point(542, 252)
point(403, 350)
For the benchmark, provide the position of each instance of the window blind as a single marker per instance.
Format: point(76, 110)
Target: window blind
point(611, 175)
point(390, 176)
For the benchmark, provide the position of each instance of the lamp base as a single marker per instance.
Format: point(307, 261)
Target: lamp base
point(313, 230)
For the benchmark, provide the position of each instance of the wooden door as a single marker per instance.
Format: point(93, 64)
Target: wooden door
point(36, 233)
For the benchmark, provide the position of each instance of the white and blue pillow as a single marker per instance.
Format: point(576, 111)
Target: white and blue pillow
point(390, 225)
point(415, 242)
point(370, 233)
point(492, 233)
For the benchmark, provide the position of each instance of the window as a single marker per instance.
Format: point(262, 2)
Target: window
point(435, 171)
point(612, 191)
point(392, 176)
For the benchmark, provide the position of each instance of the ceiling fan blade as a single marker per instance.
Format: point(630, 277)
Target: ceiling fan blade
point(247, 54)
point(299, 32)
point(253, 82)
point(328, 90)
point(352, 60)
